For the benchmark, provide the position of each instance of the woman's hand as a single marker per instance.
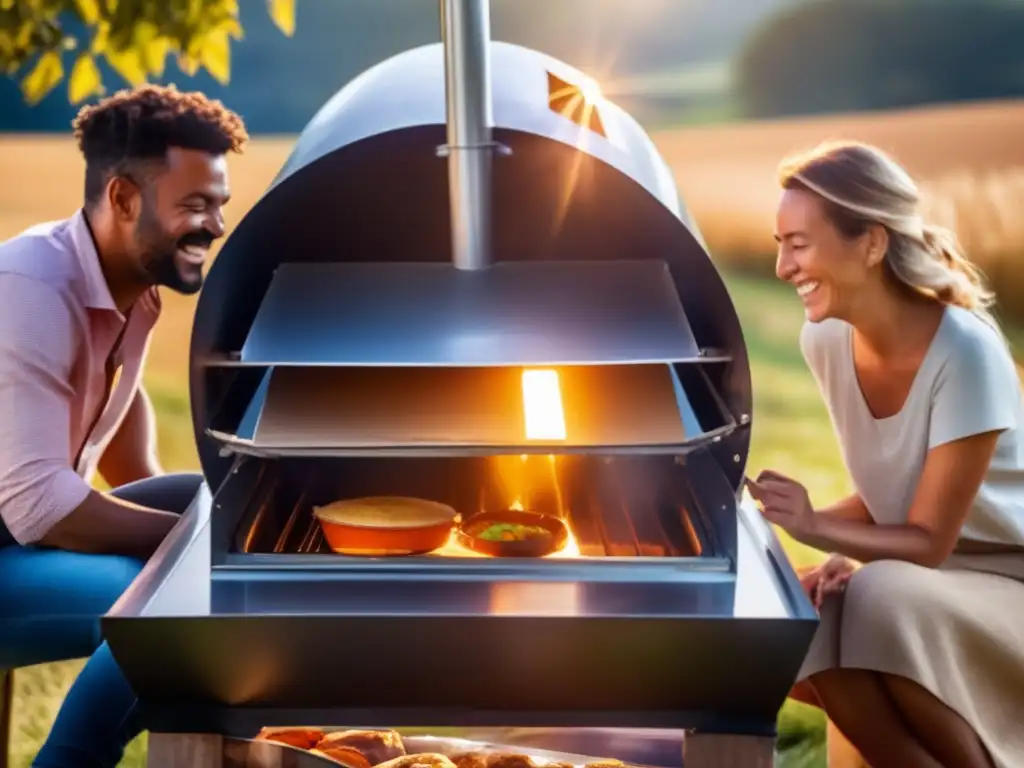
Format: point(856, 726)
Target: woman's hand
point(784, 502)
point(829, 578)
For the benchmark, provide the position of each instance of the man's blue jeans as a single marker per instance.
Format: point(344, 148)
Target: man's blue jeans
point(51, 601)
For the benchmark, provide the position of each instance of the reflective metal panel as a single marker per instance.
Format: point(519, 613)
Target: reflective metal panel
point(512, 313)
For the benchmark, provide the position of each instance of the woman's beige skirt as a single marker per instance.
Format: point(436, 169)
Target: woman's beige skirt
point(957, 631)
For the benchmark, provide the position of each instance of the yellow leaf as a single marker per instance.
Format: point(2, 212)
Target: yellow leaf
point(233, 28)
point(152, 47)
point(101, 38)
point(283, 14)
point(188, 64)
point(86, 79)
point(89, 10)
point(216, 56)
point(128, 64)
point(154, 55)
point(43, 78)
point(24, 34)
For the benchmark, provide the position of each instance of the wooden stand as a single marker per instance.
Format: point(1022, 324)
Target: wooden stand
point(185, 750)
point(713, 750)
point(6, 711)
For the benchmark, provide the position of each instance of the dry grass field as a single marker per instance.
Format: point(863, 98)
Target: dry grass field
point(970, 161)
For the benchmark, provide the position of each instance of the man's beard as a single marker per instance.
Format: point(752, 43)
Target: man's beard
point(159, 253)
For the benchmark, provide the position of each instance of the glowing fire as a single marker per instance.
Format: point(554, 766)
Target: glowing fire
point(542, 405)
point(526, 477)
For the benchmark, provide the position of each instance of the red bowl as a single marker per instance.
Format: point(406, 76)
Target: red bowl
point(469, 532)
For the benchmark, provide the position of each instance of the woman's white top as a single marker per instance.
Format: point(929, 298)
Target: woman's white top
point(967, 384)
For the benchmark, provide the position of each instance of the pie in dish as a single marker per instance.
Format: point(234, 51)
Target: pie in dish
point(385, 525)
point(386, 512)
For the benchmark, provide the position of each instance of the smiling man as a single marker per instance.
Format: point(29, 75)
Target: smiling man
point(78, 301)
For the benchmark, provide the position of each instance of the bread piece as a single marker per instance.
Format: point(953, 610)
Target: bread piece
point(375, 746)
point(470, 759)
point(386, 512)
point(510, 760)
point(606, 764)
point(303, 738)
point(422, 760)
point(346, 756)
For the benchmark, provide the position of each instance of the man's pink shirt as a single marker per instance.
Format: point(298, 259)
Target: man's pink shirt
point(58, 326)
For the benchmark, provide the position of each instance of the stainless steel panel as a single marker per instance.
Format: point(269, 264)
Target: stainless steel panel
point(464, 670)
point(230, 445)
point(432, 314)
point(623, 405)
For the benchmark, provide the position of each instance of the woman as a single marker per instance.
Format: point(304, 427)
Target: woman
point(919, 658)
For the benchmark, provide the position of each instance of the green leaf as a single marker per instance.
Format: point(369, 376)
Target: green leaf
point(216, 56)
point(44, 77)
point(86, 79)
point(89, 10)
point(283, 14)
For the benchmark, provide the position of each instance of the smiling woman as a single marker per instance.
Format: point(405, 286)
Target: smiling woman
point(925, 400)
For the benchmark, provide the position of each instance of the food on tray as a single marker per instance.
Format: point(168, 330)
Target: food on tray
point(510, 760)
point(512, 532)
point(469, 759)
point(303, 738)
point(385, 525)
point(422, 760)
point(347, 756)
point(386, 749)
point(375, 746)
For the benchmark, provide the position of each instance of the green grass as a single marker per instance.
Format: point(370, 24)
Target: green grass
point(791, 433)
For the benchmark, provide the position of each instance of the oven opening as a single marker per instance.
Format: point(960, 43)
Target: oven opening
point(529, 505)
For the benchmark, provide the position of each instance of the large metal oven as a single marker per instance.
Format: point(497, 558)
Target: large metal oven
point(455, 221)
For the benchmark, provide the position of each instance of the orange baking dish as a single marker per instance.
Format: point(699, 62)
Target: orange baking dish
point(377, 526)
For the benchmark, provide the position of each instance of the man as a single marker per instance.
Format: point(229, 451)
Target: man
point(78, 302)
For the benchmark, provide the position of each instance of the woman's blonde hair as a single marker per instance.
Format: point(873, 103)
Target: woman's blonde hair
point(861, 185)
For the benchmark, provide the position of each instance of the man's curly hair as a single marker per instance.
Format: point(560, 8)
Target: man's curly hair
point(137, 126)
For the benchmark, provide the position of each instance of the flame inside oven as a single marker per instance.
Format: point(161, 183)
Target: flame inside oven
point(526, 482)
point(531, 482)
point(542, 405)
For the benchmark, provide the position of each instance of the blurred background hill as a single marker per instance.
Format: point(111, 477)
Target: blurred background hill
point(681, 46)
point(666, 61)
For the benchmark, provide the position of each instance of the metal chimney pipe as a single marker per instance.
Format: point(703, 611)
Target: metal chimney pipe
point(466, 34)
